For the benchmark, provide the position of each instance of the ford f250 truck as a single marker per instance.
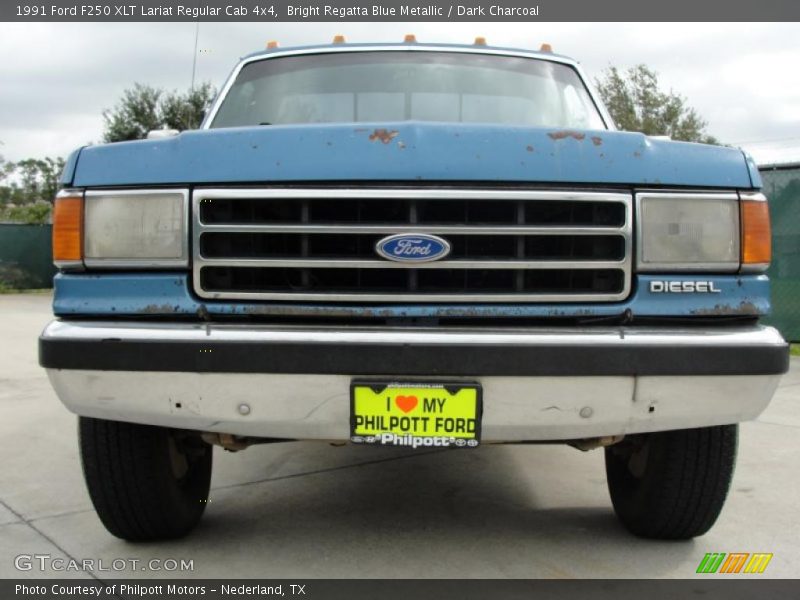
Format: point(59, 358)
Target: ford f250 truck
point(417, 246)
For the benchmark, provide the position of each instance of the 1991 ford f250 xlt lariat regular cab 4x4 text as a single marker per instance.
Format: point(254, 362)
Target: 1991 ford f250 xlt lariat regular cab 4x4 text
point(410, 245)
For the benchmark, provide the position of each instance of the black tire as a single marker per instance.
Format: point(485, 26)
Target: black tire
point(146, 483)
point(672, 484)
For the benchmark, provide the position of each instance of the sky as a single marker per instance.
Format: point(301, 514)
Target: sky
point(57, 78)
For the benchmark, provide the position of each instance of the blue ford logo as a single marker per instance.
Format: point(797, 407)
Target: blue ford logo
point(413, 247)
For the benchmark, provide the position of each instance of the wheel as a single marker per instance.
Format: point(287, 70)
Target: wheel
point(146, 483)
point(671, 484)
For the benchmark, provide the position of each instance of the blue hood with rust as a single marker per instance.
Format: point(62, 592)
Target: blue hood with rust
point(409, 152)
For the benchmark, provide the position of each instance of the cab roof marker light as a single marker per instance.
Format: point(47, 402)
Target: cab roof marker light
point(339, 39)
point(480, 41)
point(756, 233)
point(272, 44)
point(546, 48)
point(68, 229)
point(410, 38)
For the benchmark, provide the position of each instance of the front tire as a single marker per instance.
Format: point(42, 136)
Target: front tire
point(146, 482)
point(671, 484)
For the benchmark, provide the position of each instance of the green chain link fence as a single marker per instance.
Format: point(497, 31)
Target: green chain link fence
point(25, 256)
point(782, 187)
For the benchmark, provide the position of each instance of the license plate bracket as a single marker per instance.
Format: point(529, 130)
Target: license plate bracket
point(416, 414)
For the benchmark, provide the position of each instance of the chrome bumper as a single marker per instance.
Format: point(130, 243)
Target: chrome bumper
point(538, 384)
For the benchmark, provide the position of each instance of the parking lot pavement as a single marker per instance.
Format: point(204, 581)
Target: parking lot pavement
point(313, 510)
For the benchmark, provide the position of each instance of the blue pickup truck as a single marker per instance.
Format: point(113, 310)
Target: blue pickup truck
point(410, 245)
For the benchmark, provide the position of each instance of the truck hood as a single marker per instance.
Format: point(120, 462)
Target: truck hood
point(408, 151)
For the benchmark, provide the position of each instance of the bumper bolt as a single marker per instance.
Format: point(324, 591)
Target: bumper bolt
point(244, 409)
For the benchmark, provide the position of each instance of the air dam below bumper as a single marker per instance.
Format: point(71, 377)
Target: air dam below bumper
point(538, 383)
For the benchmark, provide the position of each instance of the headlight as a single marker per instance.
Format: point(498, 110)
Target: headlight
point(688, 232)
point(136, 228)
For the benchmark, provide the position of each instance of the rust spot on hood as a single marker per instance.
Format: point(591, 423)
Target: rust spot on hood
point(597, 140)
point(560, 135)
point(384, 135)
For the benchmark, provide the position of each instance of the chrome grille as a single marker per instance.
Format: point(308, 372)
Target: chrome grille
point(319, 244)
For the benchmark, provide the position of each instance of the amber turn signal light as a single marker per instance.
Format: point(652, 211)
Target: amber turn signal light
point(756, 233)
point(68, 229)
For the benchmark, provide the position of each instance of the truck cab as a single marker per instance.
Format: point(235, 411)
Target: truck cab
point(411, 245)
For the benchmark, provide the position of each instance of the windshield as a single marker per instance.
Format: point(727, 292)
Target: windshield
point(348, 87)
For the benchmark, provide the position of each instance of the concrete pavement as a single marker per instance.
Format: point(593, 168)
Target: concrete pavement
point(312, 510)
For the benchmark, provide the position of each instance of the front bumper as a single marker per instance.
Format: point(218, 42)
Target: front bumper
point(538, 384)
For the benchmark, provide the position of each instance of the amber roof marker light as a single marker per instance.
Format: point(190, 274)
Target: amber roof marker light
point(68, 229)
point(272, 44)
point(756, 232)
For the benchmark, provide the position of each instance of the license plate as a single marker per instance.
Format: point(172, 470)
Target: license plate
point(416, 414)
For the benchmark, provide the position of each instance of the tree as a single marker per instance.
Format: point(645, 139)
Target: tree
point(39, 178)
point(37, 213)
point(5, 191)
point(30, 180)
point(144, 108)
point(6, 168)
point(134, 115)
point(636, 103)
point(186, 111)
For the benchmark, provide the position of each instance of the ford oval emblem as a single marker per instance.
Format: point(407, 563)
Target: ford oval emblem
point(413, 247)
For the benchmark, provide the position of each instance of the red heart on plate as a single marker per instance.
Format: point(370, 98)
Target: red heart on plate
point(406, 403)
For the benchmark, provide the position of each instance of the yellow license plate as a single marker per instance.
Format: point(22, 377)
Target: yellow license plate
point(415, 414)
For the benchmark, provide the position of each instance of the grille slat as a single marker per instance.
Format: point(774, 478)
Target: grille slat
point(319, 244)
point(390, 229)
point(300, 263)
point(249, 279)
point(571, 211)
point(216, 245)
